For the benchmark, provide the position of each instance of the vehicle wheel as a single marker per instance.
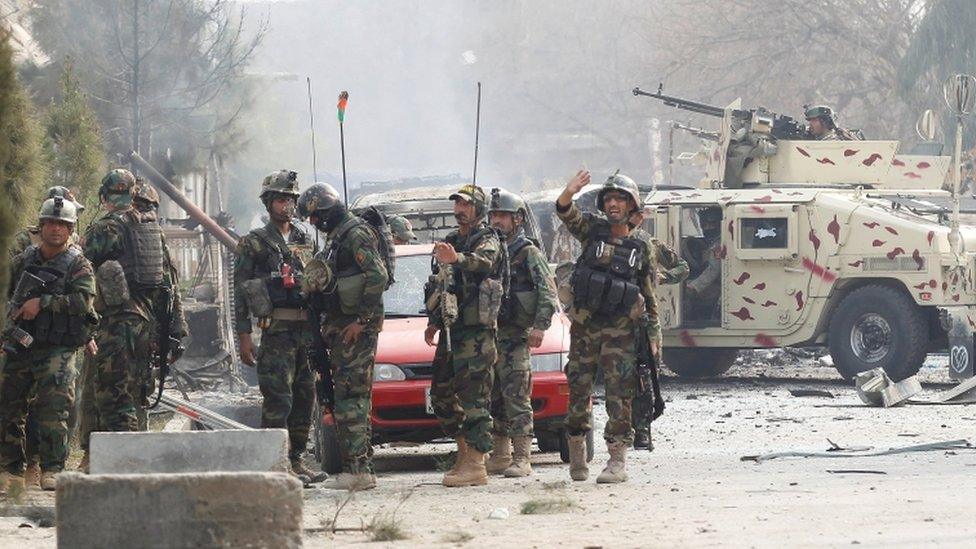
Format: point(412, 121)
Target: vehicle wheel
point(564, 447)
point(878, 326)
point(549, 440)
point(327, 447)
point(699, 362)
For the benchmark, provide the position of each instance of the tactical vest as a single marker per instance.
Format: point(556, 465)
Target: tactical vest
point(142, 256)
point(62, 329)
point(350, 278)
point(521, 302)
point(283, 288)
point(479, 295)
point(606, 280)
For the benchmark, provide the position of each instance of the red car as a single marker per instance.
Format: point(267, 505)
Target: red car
point(401, 377)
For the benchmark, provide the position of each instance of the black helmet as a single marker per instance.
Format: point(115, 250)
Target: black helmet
point(318, 197)
point(621, 183)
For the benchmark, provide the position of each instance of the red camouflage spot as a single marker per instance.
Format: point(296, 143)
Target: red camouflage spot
point(731, 226)
point(871, 159)
point(803, 151)
point(824, 274)
point(742, 314)
point(917, 256)
point(826, 160)
point(896, 162)
point(920, 286)
point(850, 152)
point(891, 230)
point(742, 278)
point(872, 225)
point(877, 243)
point(833, 229)
point(922, 165)
point(895, 253)
point(687, 339)
point(764, 198)
point(764, 340)
point(857, 263)
point(815, 240)
point(748, 300)
point(769, 303)
point(760, 286)
point(930, 236)
point(955, 297)
point(757, 209)
point(799, 300)
point(912, 175)
point(723, 252)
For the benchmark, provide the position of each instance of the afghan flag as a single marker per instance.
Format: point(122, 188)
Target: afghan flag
point(343, 99)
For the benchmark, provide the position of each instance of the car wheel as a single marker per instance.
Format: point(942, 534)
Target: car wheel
point(878, 327)
point(327, 446)
point(564, 447)
point(699, 362)
point(548, 441)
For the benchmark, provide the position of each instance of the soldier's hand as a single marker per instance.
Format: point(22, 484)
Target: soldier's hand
point(535, 338)
point(29, 309)
point(445, 253)
point(580, 180)
point(247, 349)
point(350, 334)
point(91, 348)
point(429, 334)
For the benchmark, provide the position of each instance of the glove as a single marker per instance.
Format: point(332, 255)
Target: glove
point(176, 349)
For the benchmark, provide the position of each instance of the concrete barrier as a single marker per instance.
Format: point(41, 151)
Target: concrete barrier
point(179, 510)
point(189, 451)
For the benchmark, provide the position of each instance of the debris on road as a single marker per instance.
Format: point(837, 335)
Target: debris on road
point(837, 452)
point(856, 471)
point(964, 393)
point(877, 389)
point(811, 393)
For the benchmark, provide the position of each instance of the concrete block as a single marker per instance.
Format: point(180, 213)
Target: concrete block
point(877, 389)
point(189, 451)
point(179, 510)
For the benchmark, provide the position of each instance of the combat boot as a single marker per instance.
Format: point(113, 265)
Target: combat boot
point(521, 463)
point(32, 475)
point(298, 466)
point(578, 469)
point(501, 455)
point(642, 439)
point(49, 481)
point(471, 473)
point(462, 449)
point(11, 484)
point(615, 470)
point(352, 482)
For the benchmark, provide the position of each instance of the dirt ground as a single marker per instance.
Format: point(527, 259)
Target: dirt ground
point(694, 489)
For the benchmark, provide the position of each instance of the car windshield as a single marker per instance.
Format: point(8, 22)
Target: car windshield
point(406, 296)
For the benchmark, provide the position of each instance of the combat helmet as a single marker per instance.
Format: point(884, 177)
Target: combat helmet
point(144, 195)
point(819, 111)
point(65, 192)
point(472, 194)
point(116, 187)
point(621, 183)
point(60, 209)
point(505, 201)
point(318, 197)
point(282, 182)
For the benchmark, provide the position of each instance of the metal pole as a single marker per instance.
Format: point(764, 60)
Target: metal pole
point(190, 208)
point(477, 132)
point(342, 151)
point(311, 127)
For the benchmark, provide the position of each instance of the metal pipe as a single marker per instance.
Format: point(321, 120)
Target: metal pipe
point(182, 201)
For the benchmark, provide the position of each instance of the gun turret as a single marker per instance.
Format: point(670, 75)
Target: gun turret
point(758, 120)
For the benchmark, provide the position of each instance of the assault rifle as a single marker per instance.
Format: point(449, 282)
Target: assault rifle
point(649, 384)
point(32, 283)
point(320, 358)
point(166, 352)
point(778, 125)
point(441, 301)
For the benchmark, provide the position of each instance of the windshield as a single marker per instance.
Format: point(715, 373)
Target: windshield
point(406, 296)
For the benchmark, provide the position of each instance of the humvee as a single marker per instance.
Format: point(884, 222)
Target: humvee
point(843, 244)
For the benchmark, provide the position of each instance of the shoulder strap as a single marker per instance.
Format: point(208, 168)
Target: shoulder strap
point(262, 233)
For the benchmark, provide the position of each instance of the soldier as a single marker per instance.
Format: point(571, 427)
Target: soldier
point(269, 262)
point(18, 243)
point(59, 316)
point(613, 287)
point(822, 127)
point(671, 269)
point(137, 293)
point(402, 230)
point(351, 324)
point(145, 198)
point(705, 286)
point(461, 389)
point(524, 318)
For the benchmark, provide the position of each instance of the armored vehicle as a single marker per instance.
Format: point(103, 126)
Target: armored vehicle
point(843, 244)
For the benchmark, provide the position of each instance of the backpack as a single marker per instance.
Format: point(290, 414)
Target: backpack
point(384, 241)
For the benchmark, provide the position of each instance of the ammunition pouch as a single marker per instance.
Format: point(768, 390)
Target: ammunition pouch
point(350, 293)
point(521, 309)
point(601, 293)
point(432, 297)
point(113, 288)
point(280, 296)
point(16, 340)
point(258, 297)
point(490, 293)
point(68, 330)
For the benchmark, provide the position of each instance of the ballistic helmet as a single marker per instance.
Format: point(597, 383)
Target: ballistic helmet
point(282, 182)
point(116, 187)
point(65, 192)
point(58, 208)
point(318, 197)
point(619, 183)
point(505, 201)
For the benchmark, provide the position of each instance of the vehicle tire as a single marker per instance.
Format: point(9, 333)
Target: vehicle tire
point(327, 447)
point(878, 326)
point(549, 440)
point(564, 447)
point(699, 362)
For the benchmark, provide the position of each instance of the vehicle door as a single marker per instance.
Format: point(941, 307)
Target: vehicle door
point(666, 228)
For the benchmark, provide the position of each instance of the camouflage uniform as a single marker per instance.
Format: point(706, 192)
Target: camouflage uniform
point(284, 375)
point(361, 279)
point(605, 342)
point(673, 270)
point(532, 284)
point(45, 373)
point(121, 369)
point(461, 388)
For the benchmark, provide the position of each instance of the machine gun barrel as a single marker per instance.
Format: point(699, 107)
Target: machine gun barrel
point(688, 105)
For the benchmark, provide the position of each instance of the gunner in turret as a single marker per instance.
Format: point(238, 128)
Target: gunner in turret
point(821, 125)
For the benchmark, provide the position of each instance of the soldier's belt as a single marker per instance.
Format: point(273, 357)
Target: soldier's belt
point(289, 314)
